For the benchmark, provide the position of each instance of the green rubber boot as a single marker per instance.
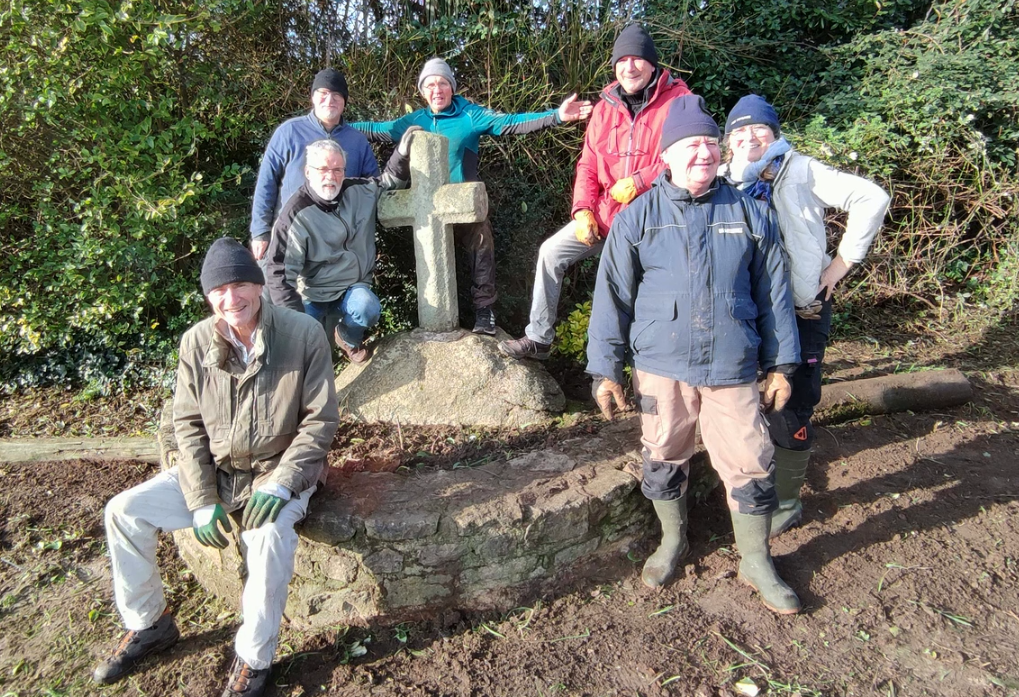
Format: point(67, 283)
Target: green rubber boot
point(660, 566)
point(790, 471)
point(756, 567)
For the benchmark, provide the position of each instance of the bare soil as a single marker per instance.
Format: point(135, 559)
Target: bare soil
point(907, 563)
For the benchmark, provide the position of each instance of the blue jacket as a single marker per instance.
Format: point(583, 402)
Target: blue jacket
point(695, 290)
point(463, 122)
point(282, 169)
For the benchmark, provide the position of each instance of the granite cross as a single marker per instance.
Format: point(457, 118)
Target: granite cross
point(431, 205)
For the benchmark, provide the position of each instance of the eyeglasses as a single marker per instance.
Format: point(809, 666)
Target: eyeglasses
point(759, 131)
point(335, 171)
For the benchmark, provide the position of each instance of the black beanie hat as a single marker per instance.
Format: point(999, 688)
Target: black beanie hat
point(634, 41)
point(331, 80)
point(688, 116)
point(228, 261)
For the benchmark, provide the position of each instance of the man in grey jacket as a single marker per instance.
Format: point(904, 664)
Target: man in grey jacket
point(254, 414)
point(693, 291)
point(322, 253)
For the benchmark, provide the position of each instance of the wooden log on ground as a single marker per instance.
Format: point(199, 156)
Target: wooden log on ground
point(921, 391)
point(52, 449)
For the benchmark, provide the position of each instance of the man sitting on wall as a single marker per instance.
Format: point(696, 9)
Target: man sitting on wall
point(254, 414)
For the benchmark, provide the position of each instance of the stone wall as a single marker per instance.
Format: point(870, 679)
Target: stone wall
point(391, 547)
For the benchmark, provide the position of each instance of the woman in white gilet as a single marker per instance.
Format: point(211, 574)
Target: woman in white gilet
point(799, 188)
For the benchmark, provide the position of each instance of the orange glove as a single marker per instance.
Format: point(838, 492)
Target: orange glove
point(777, 391)
point(605, 392)
point(624, 190)
point(585, 227)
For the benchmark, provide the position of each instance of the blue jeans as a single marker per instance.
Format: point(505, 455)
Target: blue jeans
point(356, 311)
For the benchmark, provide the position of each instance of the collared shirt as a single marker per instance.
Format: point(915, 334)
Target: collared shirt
point(245, 354)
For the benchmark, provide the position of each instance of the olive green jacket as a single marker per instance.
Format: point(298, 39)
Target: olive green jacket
point(239, 426)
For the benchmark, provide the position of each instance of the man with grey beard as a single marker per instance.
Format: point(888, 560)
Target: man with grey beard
point(322, 253)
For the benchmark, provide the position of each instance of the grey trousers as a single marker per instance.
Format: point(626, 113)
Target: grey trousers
point(557, 253)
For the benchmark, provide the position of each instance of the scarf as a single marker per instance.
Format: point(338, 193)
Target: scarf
point(752, 183)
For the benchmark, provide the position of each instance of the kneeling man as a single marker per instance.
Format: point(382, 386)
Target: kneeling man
point(693, 291)
point(254, 414)
point(322, 252)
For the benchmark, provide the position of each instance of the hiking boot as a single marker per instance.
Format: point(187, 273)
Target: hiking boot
point(790, 471)
point(756, 567)
point(525, 348)
point(354, 354)
point(484, 321)
point(245, 681)
point(660, 566)
point(134, 646)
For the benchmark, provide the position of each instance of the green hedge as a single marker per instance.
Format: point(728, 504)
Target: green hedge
point(130, 132)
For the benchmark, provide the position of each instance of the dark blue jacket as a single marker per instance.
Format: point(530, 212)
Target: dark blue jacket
point(464, 123)
point(695, 290)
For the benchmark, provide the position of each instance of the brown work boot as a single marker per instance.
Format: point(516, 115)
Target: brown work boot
point(134, 646)
point(355, 354)
point(245, 681)
point(525, 348)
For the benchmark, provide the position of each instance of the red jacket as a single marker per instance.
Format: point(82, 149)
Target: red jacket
point(616, 147)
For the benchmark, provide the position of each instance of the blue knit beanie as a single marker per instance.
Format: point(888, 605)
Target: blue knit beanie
point(750, 110)
point(688, 116)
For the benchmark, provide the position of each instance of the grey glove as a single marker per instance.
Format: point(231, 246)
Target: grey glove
point(404, 147)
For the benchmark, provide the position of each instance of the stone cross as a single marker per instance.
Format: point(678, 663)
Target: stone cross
point(431, 205)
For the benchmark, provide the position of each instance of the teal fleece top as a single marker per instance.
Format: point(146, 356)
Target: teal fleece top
point(463, 122)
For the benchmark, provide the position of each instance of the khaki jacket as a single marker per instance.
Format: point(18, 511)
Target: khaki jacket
point(239, 426)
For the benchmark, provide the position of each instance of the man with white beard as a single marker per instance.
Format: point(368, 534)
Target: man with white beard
point(322, 252)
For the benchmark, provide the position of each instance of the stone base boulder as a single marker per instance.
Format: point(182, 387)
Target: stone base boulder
point(455, 378)
point(394, 547)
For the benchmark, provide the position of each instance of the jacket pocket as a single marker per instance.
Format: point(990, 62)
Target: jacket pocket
point(744, 311)
point(650, 313)
point(279, 394)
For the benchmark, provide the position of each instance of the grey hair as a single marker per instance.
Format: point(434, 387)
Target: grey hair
point(325, 146)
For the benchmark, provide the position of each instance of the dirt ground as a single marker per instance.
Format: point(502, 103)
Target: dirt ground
point(907, 564)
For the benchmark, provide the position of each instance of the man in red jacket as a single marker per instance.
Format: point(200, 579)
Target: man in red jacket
point(619, 161)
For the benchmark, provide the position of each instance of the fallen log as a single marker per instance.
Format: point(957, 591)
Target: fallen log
point(52, 449)
point(921, 391)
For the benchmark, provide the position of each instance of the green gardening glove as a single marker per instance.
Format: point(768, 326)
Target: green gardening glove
point(208, 533)
point(261, 507)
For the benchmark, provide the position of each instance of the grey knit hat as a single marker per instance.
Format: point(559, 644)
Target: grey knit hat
point(228, 261)
point(436, 66)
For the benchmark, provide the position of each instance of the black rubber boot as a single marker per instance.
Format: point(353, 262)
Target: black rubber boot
point(756, 567)
point(134, 646)
point(790, 471)
point(661, 566)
